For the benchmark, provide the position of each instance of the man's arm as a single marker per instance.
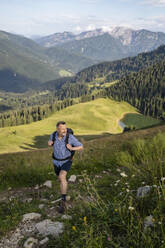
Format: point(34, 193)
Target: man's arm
point(50, 142)
point(74, 148)
point(75, 144)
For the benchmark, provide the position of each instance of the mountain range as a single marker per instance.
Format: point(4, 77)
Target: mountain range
point(26, 63)
point(101, 44)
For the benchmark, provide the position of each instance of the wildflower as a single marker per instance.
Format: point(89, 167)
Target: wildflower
point(159, 222)
point(131, 208)
point(143, 182)
point(162, 178)
point(108, 238)
point(115, 209)
point(127, 190)
point(118, 181)
point(85, 219)
point(73, 228)
point(133, 175)
point(118, 170)
point(123, 174)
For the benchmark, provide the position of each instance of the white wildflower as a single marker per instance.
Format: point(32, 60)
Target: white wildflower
point(118, 170)
point(131, 208)
point(127, 190)
point(123, 174)
point(163, 179)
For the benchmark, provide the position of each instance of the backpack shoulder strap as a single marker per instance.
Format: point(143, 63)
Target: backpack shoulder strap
point(67, 137)
point(54, 136)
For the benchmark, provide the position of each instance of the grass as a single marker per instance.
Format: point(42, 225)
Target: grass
point(114, 216)
point(139, 120)
point(89, 118)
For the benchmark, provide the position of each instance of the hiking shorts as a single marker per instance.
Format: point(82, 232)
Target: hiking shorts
point(66, 166)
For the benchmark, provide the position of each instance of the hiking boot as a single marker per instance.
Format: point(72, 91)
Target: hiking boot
point(62, 206)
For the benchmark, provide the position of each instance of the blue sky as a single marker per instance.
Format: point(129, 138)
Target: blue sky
point(44, 17)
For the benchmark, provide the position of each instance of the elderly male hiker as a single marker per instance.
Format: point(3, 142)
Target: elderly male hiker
point(64, 145)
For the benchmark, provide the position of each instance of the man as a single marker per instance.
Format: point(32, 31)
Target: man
point(62, 157)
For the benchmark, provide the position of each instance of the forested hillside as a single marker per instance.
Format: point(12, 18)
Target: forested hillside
point(144, 89)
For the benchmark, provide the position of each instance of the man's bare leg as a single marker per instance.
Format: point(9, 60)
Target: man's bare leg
point(63, 181)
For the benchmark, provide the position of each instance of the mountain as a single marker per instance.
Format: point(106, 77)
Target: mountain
point(144, 90)
point(25, 57)
point(97, 44)
point(102, 47)
point(138, 40)
point(54, 39)
point(114, 70)
point(70, 61)
point(33, 63)
point(110, 71)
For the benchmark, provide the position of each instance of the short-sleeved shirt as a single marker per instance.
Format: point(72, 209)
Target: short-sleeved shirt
point(60, 150)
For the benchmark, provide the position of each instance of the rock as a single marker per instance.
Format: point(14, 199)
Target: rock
point(68, 198)
point(31, 243)
point(98, 176)
point(41, 206)
point(66, 217)
point(44, 241)
point(28, 200)
point(142, 191)
point(31, 216)
point(72, 179)
point(48, 227)
point(36, 187)
point(48, 184)
point(148, 221)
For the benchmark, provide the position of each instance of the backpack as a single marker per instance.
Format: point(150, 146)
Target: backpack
point(69, 131)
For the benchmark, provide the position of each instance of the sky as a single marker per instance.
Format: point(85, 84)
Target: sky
point(45, 17)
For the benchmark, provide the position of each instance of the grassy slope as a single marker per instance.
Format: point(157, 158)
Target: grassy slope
point(139, 121)
point(95, 117)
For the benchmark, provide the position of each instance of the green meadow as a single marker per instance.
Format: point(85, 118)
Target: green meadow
point(90, 118)
point(140, 121)
point(106, 211)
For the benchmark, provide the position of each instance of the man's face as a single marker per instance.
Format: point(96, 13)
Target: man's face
point(62, 129)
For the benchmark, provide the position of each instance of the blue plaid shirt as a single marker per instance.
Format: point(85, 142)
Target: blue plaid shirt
point(60, 150)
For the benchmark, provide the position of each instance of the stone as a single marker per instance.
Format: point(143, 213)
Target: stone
point(66, 217)
point(31, 216)
point(41, 206)
point(148, 221)
point(48, 227)
point(142, 191)
point(36, 187)
point(48, 184)
point(68, 198)
point(44, 241)
point(72, 179)
point(31, 243)
point(28, 200)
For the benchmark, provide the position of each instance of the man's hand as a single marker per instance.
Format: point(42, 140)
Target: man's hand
point(50, 143)
point(74, 148)
point(69, 147)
